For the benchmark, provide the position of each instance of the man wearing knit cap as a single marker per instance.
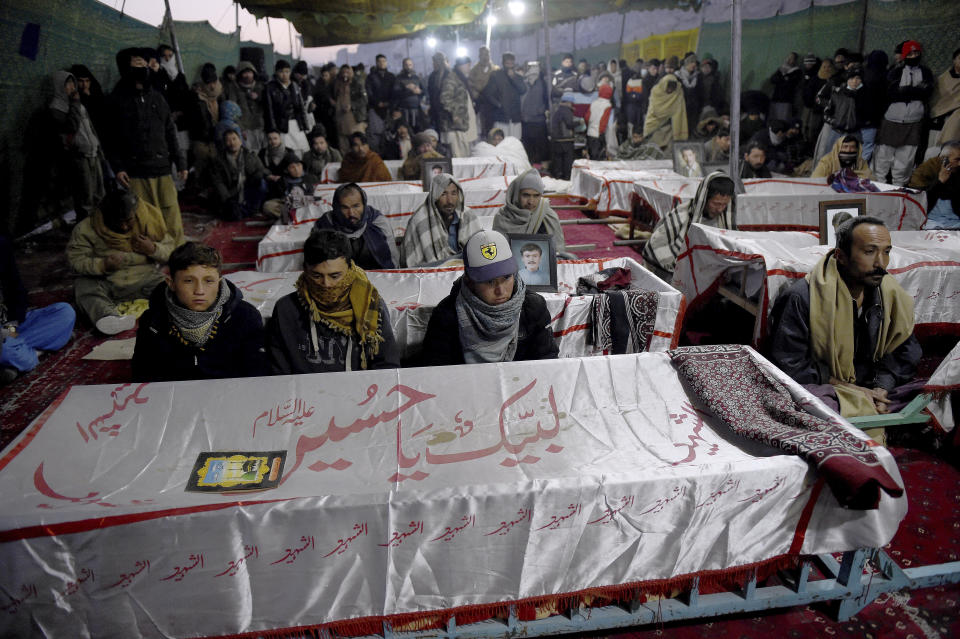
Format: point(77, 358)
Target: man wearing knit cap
point(489, 315)
point(421, 149)
point(527, 211)
point(440, 228)
point(909, 86)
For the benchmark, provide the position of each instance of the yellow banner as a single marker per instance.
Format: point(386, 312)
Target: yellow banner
point(661, 46)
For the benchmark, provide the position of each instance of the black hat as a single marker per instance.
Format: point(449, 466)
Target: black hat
point(302, 68)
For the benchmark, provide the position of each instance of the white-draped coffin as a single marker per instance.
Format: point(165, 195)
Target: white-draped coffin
point(779, 204)
point(462, 168)
point(925, 263)
point(611, 189)
point(411, 295)
point(404, 491)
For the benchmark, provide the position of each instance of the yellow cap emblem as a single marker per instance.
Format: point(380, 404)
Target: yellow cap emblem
point(489, 251)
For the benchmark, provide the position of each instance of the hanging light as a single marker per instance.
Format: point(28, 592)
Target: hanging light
point(491, 20)
point(431, 42)
point(516, 8)
point(461, 52)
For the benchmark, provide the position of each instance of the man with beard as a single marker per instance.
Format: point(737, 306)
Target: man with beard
point(845, 331)
point(408, 90)
point(237, 178)
point(351, 106)
point(369, 233)
point(440, 228)
point(141, 142)
point(909, 86)
point(379, 93)
point(319, 155)
point(526, 211)
point(754, 164)
point(490, 315)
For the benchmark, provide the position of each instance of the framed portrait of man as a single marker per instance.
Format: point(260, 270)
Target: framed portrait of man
point(431, 167)
point(536, 258)
point(836, 212)
point(688, 159)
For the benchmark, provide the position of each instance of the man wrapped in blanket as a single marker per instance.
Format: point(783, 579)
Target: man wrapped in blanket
point(845, 331)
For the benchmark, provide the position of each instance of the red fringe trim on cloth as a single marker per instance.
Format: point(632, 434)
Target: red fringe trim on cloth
point(536, 607)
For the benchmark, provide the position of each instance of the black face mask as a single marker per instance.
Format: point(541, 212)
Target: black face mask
point(140, 75)
point(912, 62)
point(847, 159)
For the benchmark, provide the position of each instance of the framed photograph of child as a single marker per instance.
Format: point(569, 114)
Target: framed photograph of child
point(834, 213)
point(688, 159)
point(536, 259)
point(430, 167)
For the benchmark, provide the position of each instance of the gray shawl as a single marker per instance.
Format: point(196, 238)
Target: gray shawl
point(512, 219)
point(489, 333)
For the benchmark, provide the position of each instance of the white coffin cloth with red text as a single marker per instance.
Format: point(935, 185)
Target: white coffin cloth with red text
point(403, 491)
point(611, 190)
point(944, 384)
point(925, 263)
point(462, 168)
point(411, 295)
point(784, 204)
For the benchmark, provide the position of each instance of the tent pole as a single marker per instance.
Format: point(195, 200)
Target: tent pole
point(290, 36)
point(735, 37)
point(546, 49)
point(173, 37)
point(236, 17)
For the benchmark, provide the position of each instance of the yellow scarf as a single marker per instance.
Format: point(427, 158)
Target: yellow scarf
point(831, 328)
point(147, 220)
point(667, 106)
point(352, 307)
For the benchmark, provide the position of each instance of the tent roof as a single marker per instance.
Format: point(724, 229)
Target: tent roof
point(330, 22)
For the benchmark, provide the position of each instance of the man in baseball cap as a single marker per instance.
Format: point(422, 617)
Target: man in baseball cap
point(489, 315)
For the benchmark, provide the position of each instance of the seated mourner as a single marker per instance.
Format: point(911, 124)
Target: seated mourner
point(527, 211)
point(712, 204)
point(117, 252)
point(940, 178)
point(370, 234)
point(846, 330)
point(360, 164)
point(336, 320)
point(25, 332)
point(440, 228)
point(845, 154)
point(198, 326)
point(489, 315)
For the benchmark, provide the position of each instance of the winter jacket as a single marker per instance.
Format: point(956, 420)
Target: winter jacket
point(810, 85)
point(908, 103)
point(403, 98)
point(847, 110)
point(225, 176)
point(142, 138)
point(280, 105)
point(785, 84)
point(314, 162)
point(791, 348)
point(452, 108)
point(380, 89)
point(442, 347)
point(502, 94)
point(250, 99)
point(562, 123)
point(533, 105)
point(234, 349)
point(290, 348)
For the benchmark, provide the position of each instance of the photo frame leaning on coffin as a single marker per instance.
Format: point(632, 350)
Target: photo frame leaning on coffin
point(833, 213)
point(544, 278)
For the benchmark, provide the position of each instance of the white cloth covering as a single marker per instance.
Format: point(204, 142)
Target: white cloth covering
point(486, 166)
point(411, 294)
point(925, 263)
point(402, 494)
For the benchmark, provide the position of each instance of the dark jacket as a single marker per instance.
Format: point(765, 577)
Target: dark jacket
point(141, 138)
point(747, 172)
point(441, 344)
point(234, 349)
point(561, 123)
point(434, 87)
point(291, 352)
point(847, 110)
point(282, 105)
point(502, 94)
point(534, 103)
point(897, 93)
point(810, 85)
point(380, 89)
point(375, 247)
point(791, 346)
point(403, 98)
point(225, 177)
point(785, 84)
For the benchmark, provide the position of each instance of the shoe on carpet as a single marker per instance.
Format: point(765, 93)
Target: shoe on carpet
point(7, 375)
point(113, 324)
